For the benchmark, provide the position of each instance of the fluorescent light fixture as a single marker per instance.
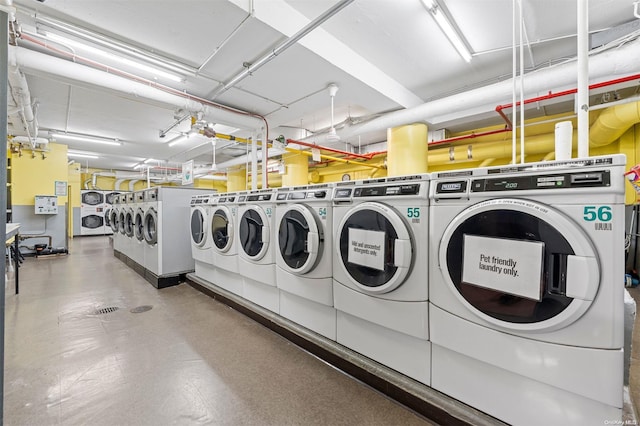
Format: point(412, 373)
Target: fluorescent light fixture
point(178, 140)
point(80, 155)
point(149, 160)
point(109, 56)
point(447, 28)
point(85, 138)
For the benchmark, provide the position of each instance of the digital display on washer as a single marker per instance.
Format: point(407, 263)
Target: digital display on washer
point(504, 265)
point(343, 193)
point(451, 187)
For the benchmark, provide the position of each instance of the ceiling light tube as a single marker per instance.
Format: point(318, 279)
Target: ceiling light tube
point(178, 140)
point(109, 56)
point(448, 29)
point(74, 154)
point(82, 138)
point(149, 160)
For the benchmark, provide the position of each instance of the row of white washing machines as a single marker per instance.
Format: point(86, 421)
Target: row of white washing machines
point(501, 287)
point(95, 211)
point(150, 233)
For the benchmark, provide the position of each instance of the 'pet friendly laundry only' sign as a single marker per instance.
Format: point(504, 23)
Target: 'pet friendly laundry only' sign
point(510, 266)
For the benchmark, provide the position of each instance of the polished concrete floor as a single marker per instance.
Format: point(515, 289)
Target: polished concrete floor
point(188, 360)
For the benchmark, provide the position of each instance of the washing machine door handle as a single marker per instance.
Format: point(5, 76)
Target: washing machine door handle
point(265, 233)
point(313, 242)
point(402, 253)
point(582, 277)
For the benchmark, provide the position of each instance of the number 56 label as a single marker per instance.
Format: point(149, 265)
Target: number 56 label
point(601, 213)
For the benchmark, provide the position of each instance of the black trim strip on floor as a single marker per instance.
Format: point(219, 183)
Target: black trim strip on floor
point(421, 406)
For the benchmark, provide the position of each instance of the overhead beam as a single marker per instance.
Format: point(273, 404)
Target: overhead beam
point(285, 19)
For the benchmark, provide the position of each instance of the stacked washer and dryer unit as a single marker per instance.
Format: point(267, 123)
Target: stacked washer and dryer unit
point(95, 211)
point(526, 272)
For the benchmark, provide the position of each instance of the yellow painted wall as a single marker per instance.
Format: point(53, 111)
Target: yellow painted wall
point(33, 175)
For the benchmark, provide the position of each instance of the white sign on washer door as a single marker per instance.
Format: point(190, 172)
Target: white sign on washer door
point(510, 266)
point(366, 248)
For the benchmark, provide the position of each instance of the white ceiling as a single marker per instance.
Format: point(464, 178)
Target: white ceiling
point(385, 55)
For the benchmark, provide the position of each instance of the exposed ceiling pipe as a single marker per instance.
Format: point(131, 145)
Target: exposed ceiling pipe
point(613, 63)
point(42, 64)
point(582, 97)
point(21, 97)
point(118, 182)
point(132, 184)
point(282, 47)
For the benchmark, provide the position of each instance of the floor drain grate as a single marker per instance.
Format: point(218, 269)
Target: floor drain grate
point(107, 310)
point(141, 309)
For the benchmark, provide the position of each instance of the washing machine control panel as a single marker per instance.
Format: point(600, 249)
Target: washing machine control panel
point(546, 181)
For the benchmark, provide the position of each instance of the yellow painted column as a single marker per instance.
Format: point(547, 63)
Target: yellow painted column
point(407, 149)
point(296, 170)
point(236, 180)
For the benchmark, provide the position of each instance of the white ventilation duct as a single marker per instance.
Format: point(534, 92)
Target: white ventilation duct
point(41, 64)
point(608, 65)
point(20, 109)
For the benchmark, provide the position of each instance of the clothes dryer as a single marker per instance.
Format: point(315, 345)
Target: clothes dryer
point(527, 306)
point(256, 253)
point(92, 208)
point(166, 232)
point(304, 258)
point(201, 240)
point(223, 224)
point(380, 261)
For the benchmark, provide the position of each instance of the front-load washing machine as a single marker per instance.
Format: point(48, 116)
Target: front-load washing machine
point(304, 244)
point(109, 201)
point(201, 244)
point(167, 235)
point(137, 244)
point(223, 223)
point(92, 208)
point(380, 262)
point(115, 224)
point(256, 253)
point(129, 229)
point(526, 315)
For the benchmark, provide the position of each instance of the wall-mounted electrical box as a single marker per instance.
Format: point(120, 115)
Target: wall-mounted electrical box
point(46, 204)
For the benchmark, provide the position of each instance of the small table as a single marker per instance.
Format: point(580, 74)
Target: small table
point(13, 230)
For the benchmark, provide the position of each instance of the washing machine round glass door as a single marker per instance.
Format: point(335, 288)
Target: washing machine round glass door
point(109, 197)
point(92, 198)
point(107, 216)
point(129, 223)
point(254, 233)
point(299, 239)
point(150, 226)
point(222, 229)
point(520, 264)
point(198, 226)
point(113, 220)
point(122, 216)
point(375, 247)
point(138, 225)
point(92, 221)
